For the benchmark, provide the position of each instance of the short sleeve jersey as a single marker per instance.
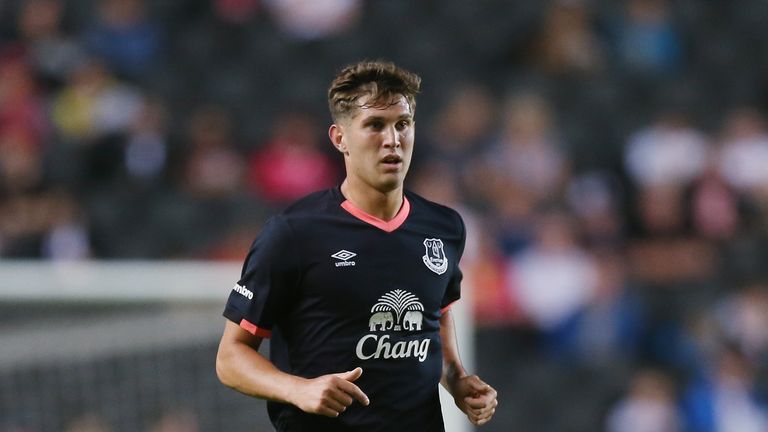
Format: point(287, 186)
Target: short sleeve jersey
point(335, 288)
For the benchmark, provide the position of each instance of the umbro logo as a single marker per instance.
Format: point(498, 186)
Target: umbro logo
point(245, 292)
point(344, 257)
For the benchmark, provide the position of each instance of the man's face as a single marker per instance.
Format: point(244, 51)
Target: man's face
point(377, 143)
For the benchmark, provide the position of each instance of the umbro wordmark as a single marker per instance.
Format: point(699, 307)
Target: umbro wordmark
point(245, 292)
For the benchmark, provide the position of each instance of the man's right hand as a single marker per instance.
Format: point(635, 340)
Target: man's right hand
point(329, 395)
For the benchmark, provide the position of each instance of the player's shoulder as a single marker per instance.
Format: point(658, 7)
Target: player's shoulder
point(315, 202)
point(300, 213)
point(317, 205)
point(423, 204)
point(434, 211)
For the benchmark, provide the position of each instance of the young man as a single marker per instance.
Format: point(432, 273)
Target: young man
point(354, 285)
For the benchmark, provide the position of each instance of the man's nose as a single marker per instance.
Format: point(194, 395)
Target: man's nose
point(391, 137)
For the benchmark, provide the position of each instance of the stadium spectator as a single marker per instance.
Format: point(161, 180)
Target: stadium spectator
point(94, 104)
point(595, 199)
point(714, 206)
point(146, 148)
point(647, 406)
point(315, 19)
point(554, 278)
point(458, 135)
point(646, 39)
point(493, 304)
point(663, 160)
point(523, 169)
point(743, 155)
point(462, 128)
point(67, 236)
point(43, 224)
point(669, 152)
point(724, 399)
point(292, 162)
point(21, 162)
point(53, 53)
point(213, 166)
point(509, 209)
point(611, 325)
point(529, 151)
point(22, 226)
point(667, 253)
point(176, 420)
point(743, 319)
point(238, 12)
point(89, 422)
point(22, 104)
point(125, 37)
point(567, 42)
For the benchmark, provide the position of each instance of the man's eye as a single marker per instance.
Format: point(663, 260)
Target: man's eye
point(376, 125)
point(402, 124)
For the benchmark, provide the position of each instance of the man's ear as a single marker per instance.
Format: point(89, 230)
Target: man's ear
point(336, 133)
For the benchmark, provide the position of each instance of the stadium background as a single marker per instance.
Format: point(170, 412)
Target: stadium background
point(610, 159)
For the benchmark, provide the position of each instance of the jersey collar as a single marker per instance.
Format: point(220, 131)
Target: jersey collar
point(383, 225)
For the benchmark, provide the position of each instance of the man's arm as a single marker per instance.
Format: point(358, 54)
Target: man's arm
point(239, 365)
point(473, 396)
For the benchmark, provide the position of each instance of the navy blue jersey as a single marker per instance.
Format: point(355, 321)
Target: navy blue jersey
point(336, 288)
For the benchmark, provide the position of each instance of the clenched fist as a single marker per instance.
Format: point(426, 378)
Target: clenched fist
point(475, 398)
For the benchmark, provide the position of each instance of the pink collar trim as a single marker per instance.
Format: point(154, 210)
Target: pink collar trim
point(383, 225)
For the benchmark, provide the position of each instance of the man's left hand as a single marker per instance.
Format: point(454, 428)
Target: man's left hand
point(475, 398)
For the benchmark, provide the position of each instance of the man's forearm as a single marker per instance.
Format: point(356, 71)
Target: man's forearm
point(244, 369)
point(452, 366)
point(240, 366)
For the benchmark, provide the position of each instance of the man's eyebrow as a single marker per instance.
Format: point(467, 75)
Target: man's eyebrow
point(372, 118)
point(382, 118)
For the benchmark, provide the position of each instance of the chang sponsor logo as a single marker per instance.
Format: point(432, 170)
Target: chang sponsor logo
point(245, 292)
point(395, 311)
point(375, 346)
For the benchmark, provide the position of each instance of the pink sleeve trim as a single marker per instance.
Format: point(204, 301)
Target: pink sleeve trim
point(254, 329)
point(445, 309)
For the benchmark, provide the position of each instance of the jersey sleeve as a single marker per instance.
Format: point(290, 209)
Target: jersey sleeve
point(453, 291)
point(268, 280)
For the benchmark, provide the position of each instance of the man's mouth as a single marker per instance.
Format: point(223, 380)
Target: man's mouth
point(391, 160)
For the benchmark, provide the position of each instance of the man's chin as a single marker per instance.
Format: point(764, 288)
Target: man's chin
point(390, 182)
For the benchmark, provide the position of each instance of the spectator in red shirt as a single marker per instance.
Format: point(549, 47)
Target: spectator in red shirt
point(291, 164)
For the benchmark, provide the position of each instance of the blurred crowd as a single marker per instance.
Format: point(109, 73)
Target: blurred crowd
point(610, 160)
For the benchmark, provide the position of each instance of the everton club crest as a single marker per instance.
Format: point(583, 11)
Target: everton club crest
point(434, 258)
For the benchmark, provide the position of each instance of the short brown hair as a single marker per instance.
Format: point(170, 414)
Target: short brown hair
point(381, 80)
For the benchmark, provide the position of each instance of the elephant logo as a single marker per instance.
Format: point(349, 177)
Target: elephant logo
point(382, 320)
point(397, 310)
point(412, 320)
point(434, 256)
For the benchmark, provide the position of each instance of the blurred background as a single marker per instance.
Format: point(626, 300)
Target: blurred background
point(610, 160)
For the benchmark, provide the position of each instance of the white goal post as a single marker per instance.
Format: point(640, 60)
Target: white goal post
point(201, 284)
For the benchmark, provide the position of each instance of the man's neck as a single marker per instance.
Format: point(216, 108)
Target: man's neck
point(382, 205)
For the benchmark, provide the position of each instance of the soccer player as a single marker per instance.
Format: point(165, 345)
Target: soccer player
point(354, 285)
